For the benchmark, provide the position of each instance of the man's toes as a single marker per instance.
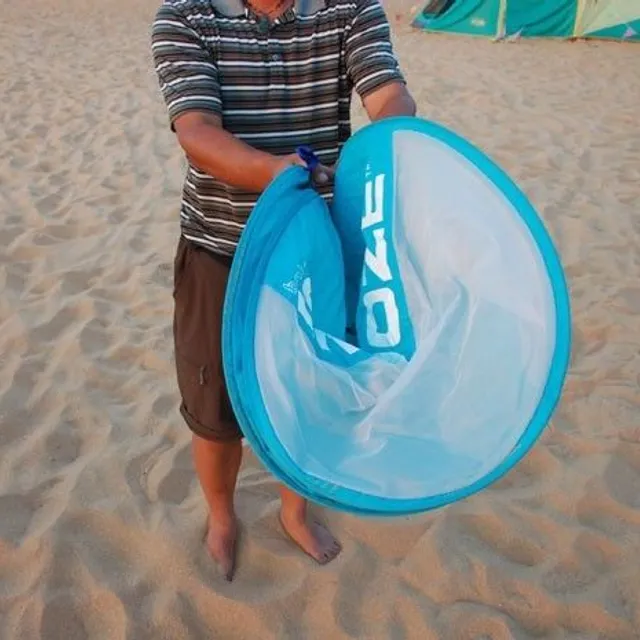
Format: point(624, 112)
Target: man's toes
point(329, 554)
point(227, 572)
point(226, 565)
point(330, 551)
point(222, 548)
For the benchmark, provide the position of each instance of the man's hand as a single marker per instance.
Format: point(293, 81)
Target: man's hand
point(392, 99)
point(320, 176)
point(323, 175)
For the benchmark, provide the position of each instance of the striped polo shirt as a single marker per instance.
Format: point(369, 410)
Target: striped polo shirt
point(276, 85)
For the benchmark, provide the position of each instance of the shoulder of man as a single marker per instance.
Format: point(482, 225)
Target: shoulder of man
point(227, 8)
point(356, 8)
point(354, 5)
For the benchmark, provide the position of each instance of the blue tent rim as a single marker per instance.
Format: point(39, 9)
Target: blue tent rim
point(243, 292)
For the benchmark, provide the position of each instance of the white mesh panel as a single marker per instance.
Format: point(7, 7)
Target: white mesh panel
point(481, 308)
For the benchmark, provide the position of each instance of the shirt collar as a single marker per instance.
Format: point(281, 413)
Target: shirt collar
point(236, 8)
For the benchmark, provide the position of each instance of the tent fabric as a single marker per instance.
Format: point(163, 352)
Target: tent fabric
point(613, 19)
point(405, 346)
point(540, 18)
point(469, 17)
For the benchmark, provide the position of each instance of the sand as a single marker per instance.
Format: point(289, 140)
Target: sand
point(101, 517)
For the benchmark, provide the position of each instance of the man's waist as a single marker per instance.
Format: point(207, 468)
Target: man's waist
point(221, 255)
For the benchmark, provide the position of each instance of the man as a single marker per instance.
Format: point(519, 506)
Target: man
point(245, 83)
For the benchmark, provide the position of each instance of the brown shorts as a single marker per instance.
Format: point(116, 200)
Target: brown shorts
point(200, 281)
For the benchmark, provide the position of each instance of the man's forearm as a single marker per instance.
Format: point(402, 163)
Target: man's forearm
point(399, 105)
point(390, 100)
point(225, 157)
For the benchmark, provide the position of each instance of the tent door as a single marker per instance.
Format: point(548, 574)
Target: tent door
point(436, 8)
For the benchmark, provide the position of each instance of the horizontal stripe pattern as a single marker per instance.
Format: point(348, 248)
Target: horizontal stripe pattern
point(274, 88)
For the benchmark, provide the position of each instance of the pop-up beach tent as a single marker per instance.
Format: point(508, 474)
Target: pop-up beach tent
point(610, 19)
point(406, 347)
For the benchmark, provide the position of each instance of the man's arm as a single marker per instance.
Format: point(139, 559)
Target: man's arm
point(390, 100)
point(225, 157)
point(373, 66)
point(188, 79)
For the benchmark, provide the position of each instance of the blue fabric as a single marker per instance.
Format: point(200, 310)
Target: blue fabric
point(359, 237)
point(326, 264)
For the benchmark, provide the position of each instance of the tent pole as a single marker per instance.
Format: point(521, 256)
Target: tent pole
point(578, 20)
point(502, 20)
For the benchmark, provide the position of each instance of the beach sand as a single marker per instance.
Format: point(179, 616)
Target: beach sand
point(101, 516)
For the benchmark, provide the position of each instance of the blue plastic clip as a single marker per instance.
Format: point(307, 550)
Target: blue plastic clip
point(308, 156)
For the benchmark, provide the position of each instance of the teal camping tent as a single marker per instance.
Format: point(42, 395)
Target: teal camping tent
point(610, 19)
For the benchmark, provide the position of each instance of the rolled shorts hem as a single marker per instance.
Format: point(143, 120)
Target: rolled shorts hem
point(226, 434)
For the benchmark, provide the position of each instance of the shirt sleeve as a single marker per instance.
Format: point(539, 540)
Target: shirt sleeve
point(370, 58)
point(186, 69)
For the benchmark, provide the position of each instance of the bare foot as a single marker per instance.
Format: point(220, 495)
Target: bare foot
point(221, 543)
point(312, 537)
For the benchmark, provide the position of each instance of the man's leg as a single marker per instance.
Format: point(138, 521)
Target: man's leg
point(217, 465)
point(313, 538)
point(200, 280)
